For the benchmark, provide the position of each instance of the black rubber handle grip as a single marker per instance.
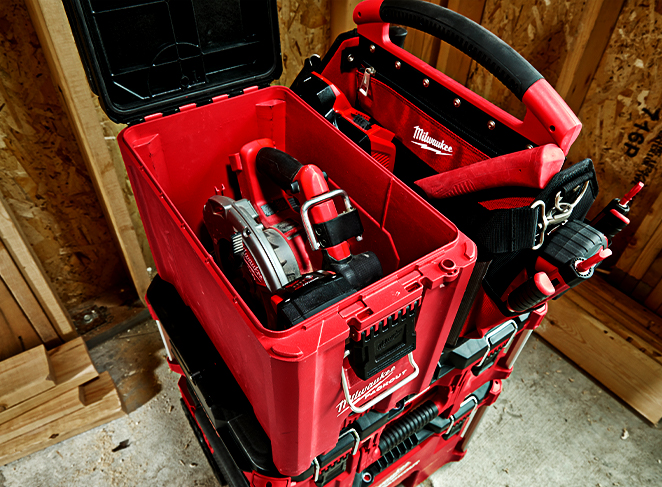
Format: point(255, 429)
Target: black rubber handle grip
point(475, 41)
point(281, 167)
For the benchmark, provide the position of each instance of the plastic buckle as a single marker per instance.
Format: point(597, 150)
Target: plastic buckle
point(305, 208)
point(542, 227)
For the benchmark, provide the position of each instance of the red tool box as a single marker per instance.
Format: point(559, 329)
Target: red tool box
point(432, 428)
point(294, 364)
point(193, 100)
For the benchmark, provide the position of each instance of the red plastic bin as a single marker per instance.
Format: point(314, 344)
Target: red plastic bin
point(293, 378)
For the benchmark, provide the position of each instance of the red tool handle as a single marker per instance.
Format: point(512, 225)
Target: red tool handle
point(532, 168)
point(291, 175)
point(552, 114)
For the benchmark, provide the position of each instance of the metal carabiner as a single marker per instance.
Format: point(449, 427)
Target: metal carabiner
point(542, 227)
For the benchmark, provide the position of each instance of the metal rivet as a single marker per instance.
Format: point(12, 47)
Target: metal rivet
point(457, 102)
point(372, 48)
point(350, 58)
point(529, 146)
point(491, 125)
point(398, 65)
point(426, 82)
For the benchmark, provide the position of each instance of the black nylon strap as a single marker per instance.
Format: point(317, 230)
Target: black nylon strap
point(340, 229)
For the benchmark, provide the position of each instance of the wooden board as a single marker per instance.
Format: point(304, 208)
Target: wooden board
point(71, 365)
point(61, 405)
point(25, 375)
point(627, 88)
point(618, 365)
point(17, 323)
point(52, 27)
point(450, 61)
point(341, 17)
point(43, 176)
point(542, 32)
point(103, 404)
point(33, 290)
point(305, 29)
point(27, 301)
point(594, 32)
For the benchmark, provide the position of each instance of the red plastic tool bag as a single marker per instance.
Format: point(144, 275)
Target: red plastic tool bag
point(192, 79)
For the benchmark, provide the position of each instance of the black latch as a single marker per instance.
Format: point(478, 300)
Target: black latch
point(388, 341)
point(339, 229)
point(332, 471)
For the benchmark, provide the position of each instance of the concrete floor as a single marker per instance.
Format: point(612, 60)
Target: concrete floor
point(552, 426)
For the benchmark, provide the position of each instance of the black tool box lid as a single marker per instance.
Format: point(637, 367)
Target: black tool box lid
point(150, 56)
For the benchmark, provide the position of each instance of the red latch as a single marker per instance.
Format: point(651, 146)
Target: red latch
point(250, 89)
point(153, 116)
point(187, 107)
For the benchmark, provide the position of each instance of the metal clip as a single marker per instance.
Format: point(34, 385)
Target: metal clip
point(365, 82)
point(542, 227)
point(471, 416)
point(357, 439)
point(561, 211)
point(493, 332)
point(305, 208)
point(316, 471)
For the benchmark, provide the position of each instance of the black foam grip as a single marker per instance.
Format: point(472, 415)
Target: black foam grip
point(525, 297)
point(475, 41)
point(281, 167)
point(406, 426)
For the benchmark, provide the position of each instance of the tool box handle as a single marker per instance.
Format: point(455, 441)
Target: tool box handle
point(506, 64)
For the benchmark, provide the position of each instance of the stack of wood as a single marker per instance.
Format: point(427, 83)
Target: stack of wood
point(49, 396)
point(612, 337)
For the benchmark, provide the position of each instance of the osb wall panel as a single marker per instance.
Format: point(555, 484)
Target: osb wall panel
point(305, 29)
point(42, 174)
point(622, 112)
point(542, 32)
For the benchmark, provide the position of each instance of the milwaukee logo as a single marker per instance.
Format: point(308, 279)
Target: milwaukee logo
point(386, 378)
point(428, 143)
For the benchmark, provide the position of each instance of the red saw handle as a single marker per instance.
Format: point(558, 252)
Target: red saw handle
point(532, 168)
point(557, 119)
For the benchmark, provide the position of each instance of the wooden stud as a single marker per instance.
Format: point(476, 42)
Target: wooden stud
point(71, 365)
point(619, 366)
point(341, 17)
point(103, 404)
point(16, 321)
point(450, 61)
point(26, 300)
point(30, 268)
point(598, 21)
point(25, 375)
point(10, 345)
point(52, 27)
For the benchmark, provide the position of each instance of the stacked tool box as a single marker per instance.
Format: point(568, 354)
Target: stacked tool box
point(386, 381)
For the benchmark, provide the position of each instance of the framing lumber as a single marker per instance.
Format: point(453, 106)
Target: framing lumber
point(52, 27)
point(25, 375)
point(103, 404)
point(450, 61)
point(30, 268)
point(72, 367)
point(26, 300)
point(16, 321)
point(66, 403)
point(341, 17)
point(598, 21)
point(610, 359)
point(10, 345)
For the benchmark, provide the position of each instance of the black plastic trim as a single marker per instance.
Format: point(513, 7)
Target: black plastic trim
point(506, 64)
